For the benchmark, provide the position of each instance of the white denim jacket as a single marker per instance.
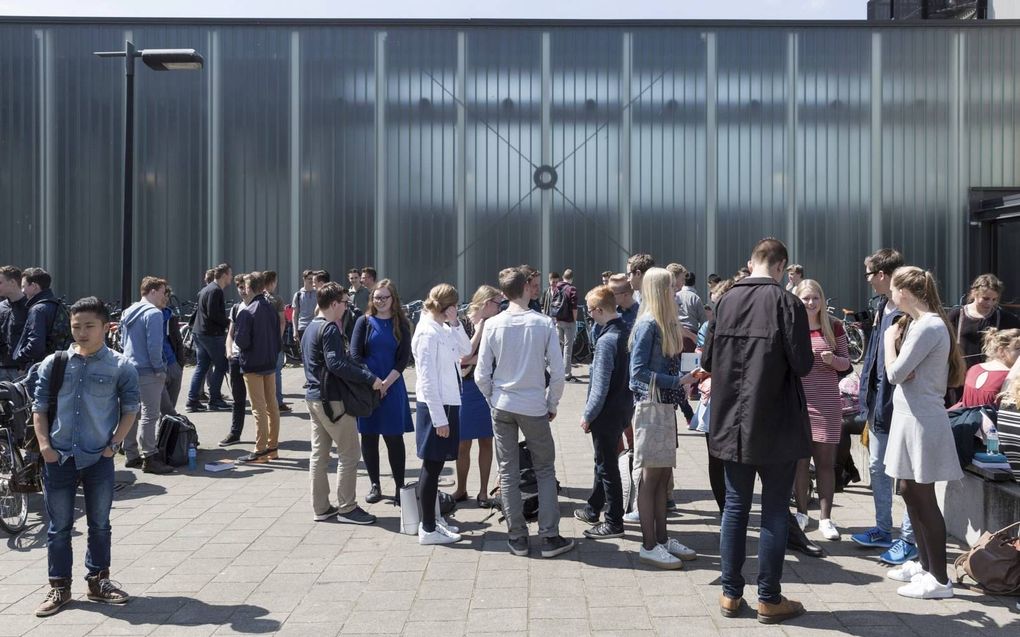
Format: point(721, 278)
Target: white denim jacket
point(437, 350)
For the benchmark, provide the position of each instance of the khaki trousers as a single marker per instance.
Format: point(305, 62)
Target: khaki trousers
point(262, 396)
point(344, 434)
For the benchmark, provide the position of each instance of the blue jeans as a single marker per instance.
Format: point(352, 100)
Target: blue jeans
point(280, 359)
point(776, 483)
point(608, 487)
point(211, 355)
point(882, 487)
point(60, 485)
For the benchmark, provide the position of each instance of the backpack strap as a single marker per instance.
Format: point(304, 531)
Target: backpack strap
point(324, 376)
point(56, 382)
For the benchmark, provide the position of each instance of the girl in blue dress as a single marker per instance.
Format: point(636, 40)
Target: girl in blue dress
point(382, 341)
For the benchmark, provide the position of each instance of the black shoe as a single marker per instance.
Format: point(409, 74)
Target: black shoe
point(375, 494)
point(329, 514)
point(134, 463)
point(252, 458)
point(230, 440)
point(220, 405)
point(203, 396)
point(796, 540)
point(357, 515)
point(284, 407)
point(519, 546)
point(671, 505)
point(556, 545)
point(585, 515)
point(152, 464)
point(193, 406)
point(603, 531)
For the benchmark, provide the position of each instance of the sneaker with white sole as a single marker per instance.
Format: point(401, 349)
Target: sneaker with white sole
point(441, 535)
point(659, 557)
point(906, 572)
point(632, 517)
point(327, 514)
point(828, 529)
point(802, 520)
point(676, 549)
point(926, 587)
point(357, 515)
point(441, 521)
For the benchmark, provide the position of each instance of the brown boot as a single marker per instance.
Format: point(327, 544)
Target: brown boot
point(730, 607)
point(776, 613)
point(58, 595)
point(103, 589)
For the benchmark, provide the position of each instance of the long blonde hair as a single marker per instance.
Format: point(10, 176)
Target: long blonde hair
point(657, 301)
point(825, 320)
point(921, 284)
point(482, 295)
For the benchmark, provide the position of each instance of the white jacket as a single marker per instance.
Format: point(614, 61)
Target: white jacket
point(437, 350)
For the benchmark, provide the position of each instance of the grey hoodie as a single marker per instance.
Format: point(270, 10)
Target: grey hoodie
point(141, 336)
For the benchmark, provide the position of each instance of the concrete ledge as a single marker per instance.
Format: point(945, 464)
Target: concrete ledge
point(974, 505)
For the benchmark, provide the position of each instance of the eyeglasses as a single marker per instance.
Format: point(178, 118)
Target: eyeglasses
point(591, 310)
point(493, 300)
point(871, 273)
point(380, 299)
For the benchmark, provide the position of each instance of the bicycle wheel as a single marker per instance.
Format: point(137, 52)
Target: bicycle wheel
point(855, 343)
point(13, 506)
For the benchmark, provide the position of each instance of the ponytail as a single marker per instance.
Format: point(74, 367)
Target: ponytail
point(921, 284)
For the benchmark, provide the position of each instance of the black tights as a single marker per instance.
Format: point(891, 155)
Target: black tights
point(652, 506)
point(395, 451)
point(716, 478)
point(929, 527)
point(429, 479)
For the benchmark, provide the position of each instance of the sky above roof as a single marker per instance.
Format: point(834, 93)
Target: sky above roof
point(506, 9)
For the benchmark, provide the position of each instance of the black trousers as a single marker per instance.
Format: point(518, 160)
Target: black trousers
point(607, 490)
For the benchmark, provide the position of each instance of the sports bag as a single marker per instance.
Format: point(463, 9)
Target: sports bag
point(994, 562)
point(175, 435)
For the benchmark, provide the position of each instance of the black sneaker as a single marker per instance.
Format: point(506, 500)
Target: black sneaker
point(220, 405)
point(374, 494)
point(357, 515)
point(556, 545)
point(230, 440)
point(519, 546)
point(585, 515)
point(134, 463)
point(603, 531)
point(152, 464)
point(284, 407)
point(671, 505)
point(327, 514)
point(193, 406)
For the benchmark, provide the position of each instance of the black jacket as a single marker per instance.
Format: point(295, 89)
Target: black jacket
point(257, 336)
point(757, 349)
point(618, 405)
point(876, 393)
point(12, 323)
point(173, 333)
point(32, 347)
point(211, 315)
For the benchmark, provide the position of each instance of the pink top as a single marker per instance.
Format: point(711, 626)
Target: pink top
point(983, 385)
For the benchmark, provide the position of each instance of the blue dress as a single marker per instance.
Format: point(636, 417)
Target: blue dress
point(475, 416)
point(393, 416)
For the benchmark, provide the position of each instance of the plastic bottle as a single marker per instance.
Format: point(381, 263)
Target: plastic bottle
point(192, 457)
point(992, 440)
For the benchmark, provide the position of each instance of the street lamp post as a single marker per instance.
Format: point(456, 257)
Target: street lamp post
point(158, 60)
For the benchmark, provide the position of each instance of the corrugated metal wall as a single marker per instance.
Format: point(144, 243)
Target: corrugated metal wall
point(413, 148)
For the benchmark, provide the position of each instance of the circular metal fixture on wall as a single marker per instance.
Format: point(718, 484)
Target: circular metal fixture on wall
point(545, 177)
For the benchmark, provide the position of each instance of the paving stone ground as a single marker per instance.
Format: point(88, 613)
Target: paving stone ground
point(238, 552)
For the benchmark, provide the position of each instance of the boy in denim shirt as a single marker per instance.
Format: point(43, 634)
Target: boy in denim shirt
point(97, 404)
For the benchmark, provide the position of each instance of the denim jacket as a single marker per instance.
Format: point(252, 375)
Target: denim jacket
point(646, 358)
point(96, 392)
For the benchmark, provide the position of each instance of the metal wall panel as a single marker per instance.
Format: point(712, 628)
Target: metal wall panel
point(413, 148)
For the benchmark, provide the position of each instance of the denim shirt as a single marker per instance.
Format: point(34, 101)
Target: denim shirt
point(97, 391)
point(646, 358)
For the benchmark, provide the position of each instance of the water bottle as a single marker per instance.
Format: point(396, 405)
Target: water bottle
point(992, 440)
point(192, 457)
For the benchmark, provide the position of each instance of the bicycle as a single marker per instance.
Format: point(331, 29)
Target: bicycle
point(20, 474)
point(852, 321)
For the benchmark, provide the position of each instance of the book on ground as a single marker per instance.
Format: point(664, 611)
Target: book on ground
point(219, 465)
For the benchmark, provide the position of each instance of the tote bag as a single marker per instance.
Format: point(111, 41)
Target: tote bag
point(654, 432)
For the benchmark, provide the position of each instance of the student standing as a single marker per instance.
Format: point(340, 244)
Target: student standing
point(438, 344)
point(210, 332)
point(81, 417)
point(382, 341)
point(236, 376)
point(920, 359)
point(303, 304)
point(13, 314)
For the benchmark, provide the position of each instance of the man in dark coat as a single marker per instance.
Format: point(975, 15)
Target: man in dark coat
point(757, 350)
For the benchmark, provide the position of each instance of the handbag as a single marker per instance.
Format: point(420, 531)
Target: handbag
point(655, 439)
point(994, 562)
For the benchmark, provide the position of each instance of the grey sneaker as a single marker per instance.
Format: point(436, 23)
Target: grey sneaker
point(357, 515)
point(56, 598)
point(556, 545)
point(519, 546)
point(327, 514)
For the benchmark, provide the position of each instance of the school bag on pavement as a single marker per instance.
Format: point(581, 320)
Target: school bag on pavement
point(994, 562)
point(175, 435)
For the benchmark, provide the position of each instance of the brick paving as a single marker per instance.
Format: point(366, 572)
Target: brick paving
point(238, 552)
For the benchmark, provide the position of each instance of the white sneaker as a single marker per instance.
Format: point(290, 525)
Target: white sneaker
point(926, 587)
point(802, 520)
point(906, 572)
point(659, 557)
point(828, 529)
point(675, 548)
point(441, 521)
point(632, 517)
point(441, 535)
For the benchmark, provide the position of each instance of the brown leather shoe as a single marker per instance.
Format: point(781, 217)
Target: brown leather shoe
point(104, 589)
point(730, 607)
point(776, 613)
point(57, 597)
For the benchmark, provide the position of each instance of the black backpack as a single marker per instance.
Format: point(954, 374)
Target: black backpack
point(175, 435)
point(559, 303)
point(15, 410)
point(528, 485)
point(59, 337)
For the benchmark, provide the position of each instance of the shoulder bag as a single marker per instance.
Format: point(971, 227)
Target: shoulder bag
point(994, 562)
point(654, 431)
point(359, 399)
